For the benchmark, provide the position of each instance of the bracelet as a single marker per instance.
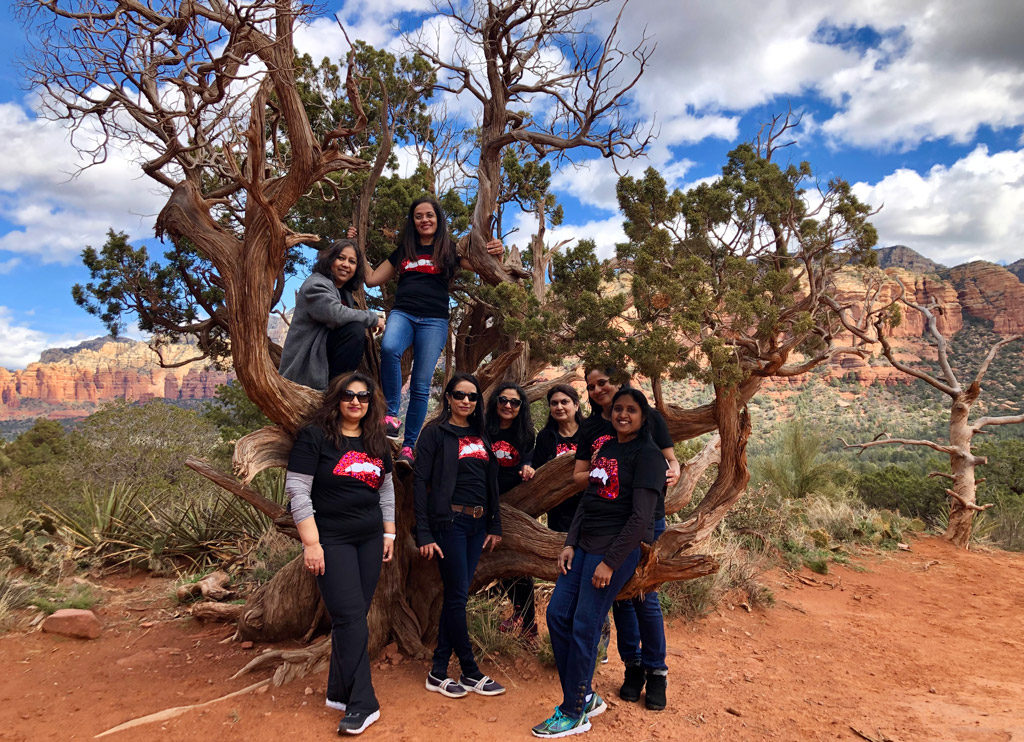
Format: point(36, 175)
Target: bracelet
point(391, 536)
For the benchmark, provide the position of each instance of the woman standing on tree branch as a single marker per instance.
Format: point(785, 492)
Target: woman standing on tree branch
point(425, 261)
point(639, 625)
point(455, 495)
point(343, 504)
point(602, 550)
point(326, 335)
point(511, 430)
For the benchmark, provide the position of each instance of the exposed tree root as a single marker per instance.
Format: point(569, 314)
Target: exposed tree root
point(214, 587)
point(209, 611)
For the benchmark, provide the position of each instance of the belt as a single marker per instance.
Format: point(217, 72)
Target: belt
point(473, 511)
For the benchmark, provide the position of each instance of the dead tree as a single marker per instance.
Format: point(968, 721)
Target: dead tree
point(875, 325)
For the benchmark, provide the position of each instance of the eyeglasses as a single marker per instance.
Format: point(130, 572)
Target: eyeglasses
point(599, 384)
point(348, 395)
point(513, 403)
point(461, 395)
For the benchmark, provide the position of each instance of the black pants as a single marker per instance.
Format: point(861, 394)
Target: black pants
point(520, 593)
point(345, 345)
point(461, 541)
point(347, 584)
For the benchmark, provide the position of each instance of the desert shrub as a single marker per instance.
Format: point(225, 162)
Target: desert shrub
point(907, 489)
point(796, 465)
point(484, 613)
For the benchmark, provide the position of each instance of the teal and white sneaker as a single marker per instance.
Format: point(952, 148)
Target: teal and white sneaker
point(560, 725)
point(595, 705)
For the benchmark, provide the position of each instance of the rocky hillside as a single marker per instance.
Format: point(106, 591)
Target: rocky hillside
point(71, 382)
point(901, 256)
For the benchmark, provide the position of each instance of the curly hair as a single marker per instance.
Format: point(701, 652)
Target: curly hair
point(328, 416)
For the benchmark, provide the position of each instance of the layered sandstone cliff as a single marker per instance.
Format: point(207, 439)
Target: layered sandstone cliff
point(102, 370)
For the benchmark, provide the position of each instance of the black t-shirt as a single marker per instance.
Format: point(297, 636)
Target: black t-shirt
point(550, 444)
point(616, 471)
point(596, 431)
point(422, 286)
point(345, 488)
point(512, 456)
point(471, 480)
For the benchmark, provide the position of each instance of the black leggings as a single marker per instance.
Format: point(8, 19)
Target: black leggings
point(345, 345)
point(347, 584)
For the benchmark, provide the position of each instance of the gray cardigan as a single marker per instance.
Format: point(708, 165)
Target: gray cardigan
point(318, 309)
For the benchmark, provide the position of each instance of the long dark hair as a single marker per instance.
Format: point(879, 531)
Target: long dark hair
point(477, 421)
point(613, 373)
point(325, 261)
point(444, 256)
point(552, 423)
point(522, 425)
point(328, 415)
point(645, 408)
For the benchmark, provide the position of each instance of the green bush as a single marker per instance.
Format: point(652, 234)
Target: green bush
point(905, 489)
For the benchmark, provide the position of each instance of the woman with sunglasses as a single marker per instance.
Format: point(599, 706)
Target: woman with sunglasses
point(343, 504)
point(510, 428)
point(327, 331)
point(639, 624)
point(425, 262)
point(455, 496)
point(602, 550)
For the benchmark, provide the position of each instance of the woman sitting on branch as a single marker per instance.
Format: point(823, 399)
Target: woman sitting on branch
point(327, 332)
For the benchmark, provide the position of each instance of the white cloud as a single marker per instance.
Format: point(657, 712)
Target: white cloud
point(604, 232)
point(55, 213)
point(954, 213)
point(19, 345)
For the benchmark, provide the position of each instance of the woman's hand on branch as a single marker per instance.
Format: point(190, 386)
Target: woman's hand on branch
point(495, 247)
point(427, 551)
point(527, 473)
point(352, 232)
point(379, 327)
point(672, 475)
point(313, 558)
point(565, 560)
point(602, 576)
point(491, 541)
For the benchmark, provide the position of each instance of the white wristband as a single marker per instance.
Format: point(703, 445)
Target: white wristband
point(390, 536)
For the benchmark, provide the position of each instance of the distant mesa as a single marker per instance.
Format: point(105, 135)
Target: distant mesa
point(1017, 269)
point(73, 382)
point(901, 256)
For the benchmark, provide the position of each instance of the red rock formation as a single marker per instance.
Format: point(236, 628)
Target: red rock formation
point(992, 293)
point(73, 382)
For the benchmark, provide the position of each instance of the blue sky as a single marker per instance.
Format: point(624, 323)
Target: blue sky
point(920, 103)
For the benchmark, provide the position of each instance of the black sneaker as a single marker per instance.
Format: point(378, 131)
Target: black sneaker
point(484, 686)
point(656, 687)
point(445, 686)
point(355, 722)
point(633, 685)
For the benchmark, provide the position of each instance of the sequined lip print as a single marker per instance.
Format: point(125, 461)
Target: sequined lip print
point(358, 465)
point(420, 265)
point(563, 448)
point(505, 453)
point(605, 473)
point(598, 442)
point(472, 447)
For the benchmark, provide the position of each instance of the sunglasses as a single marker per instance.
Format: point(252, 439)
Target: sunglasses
point(513, 403)
point(461, 395)
point(348, 395)
point(599, 384)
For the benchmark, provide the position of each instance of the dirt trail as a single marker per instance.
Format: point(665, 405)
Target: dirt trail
point(925, 645)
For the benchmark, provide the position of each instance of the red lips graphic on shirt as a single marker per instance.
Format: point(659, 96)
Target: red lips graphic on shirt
point(598, 442)
point(505, 453)
point(472, 447)
point(563, 448)
point(358, 465)
point(605, 473)
point(420, 265)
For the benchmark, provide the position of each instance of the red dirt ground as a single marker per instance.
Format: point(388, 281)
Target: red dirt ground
point(925, 645)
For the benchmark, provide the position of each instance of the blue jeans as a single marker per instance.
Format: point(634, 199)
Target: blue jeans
point(427, 336)
point(575, 614)
point(461, 543)
point(640, 627)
